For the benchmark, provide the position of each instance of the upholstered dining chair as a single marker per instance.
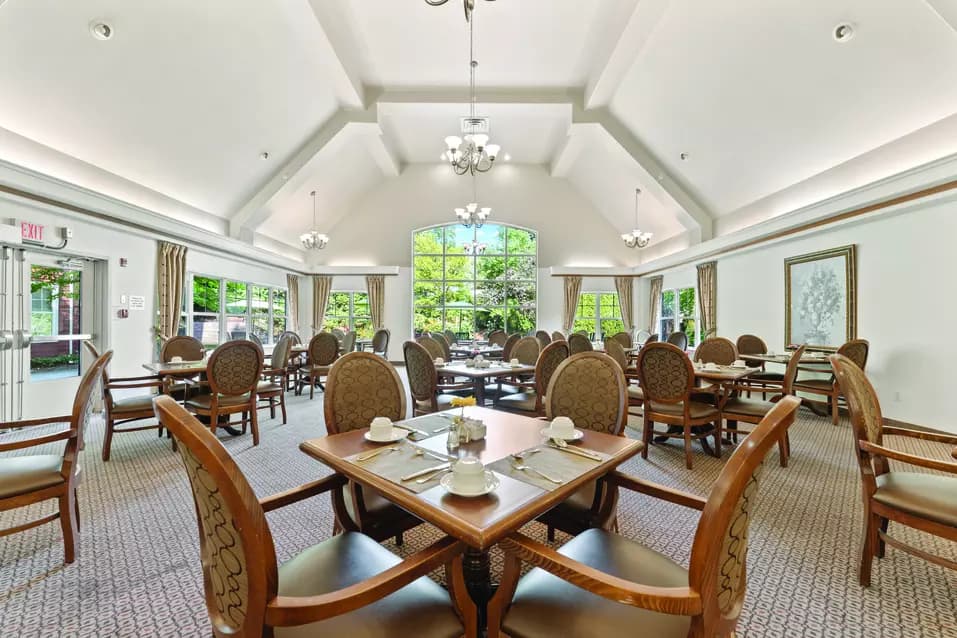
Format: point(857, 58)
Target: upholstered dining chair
point(641, 335)
point(716, 350)
point(338, 333)
point(558, 336)
point(428, 395)
point(439, 338)
point(435, 349)
point(252, 336)
point(624, 339)
point(323, 350)
point(451, 337)
point(588, 388)
point(345, 585)
point(497, 338)
point(296, 340)
point(649, 339)
point(508, 345)
point(603, 584)
point(232, 376)
point(667, 378)
point(185, 347)
point(856, 350)
point(531, 399)
point(380, 342)
point(25, 480)
point(921, 500)
point(543, 338)
point(275, 379)
point(678, 338)
point(293, 363)
point(526, 350)
point(763, 381)
point(578, 343)
point(361, 387)
point(636, 397)
point(127, 409)
point(348, 343)
point(738, 409)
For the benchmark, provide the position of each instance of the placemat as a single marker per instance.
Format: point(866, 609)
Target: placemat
point(402, 461)
point(560, 465)
point(434, 424)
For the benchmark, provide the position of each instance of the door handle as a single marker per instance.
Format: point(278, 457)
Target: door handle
point(22, 338)
point(6, 340)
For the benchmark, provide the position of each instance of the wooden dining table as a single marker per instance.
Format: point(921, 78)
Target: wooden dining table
point(481, 521)
point(479, 376)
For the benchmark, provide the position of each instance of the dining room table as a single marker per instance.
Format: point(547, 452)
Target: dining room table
point(480, 376)
point(467, 351)
point(514, 450)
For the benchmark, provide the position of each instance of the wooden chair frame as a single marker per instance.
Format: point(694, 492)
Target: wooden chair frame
point(248, 410)
point(315, 366)
point(833, 393)
point(277, 373)
point(436, 387)
point(539, 382)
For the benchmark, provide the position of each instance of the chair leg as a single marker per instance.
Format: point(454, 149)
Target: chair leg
point(254, 424)
point(312, 387)
point(867, 547)
point(835, 412)
point(783, 449)
point(213, 421)
point(107, 439)
point(272, 407)
point(880, 541)
point(550, 534)
point(76, 509)
point(688, 461)
point(717, 438)
point(282, 406)
point(646, 436)
point(399, 539)
point(68, 523)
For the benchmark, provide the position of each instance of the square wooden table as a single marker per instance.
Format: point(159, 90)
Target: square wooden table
point(479, 522)
point(489, 352)
point(480, 376)
point(182, 369)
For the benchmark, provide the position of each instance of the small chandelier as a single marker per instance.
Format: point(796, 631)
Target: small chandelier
point(469, 6)
point(474, 248)
point(636, 238)
point(314, 240)
point(472, 215)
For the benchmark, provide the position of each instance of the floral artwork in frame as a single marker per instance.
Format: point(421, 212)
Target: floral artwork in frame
point(821, 298)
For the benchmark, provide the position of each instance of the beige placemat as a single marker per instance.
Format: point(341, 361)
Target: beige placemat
point(563, 466)
point(401, 462)
point(433, 424)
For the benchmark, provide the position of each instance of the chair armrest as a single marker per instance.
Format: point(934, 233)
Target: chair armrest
point(9, 425)
point(658, 491)
point(288, 611)
point(939, 437)
point(148, 377)
point(134, 382)
point(903, 457)
point(62, 435)
point(681, 601)
point(302, 492)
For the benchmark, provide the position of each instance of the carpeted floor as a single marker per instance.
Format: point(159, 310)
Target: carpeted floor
point(137, 573)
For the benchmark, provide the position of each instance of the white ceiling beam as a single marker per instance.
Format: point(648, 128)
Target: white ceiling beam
point(579, 136)
point(380, 150)
point(339, 51)
point(614, 62)
point(946, 10)
point(490, 95)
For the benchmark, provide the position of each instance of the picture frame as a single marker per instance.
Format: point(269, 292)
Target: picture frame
point(820, 298)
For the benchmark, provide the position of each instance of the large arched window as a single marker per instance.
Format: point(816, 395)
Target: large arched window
point(470, 280)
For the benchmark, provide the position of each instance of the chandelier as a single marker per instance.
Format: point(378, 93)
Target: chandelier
point(474, 153)
point(469, 6)
point(474, 248)
point(636, 238)
point(472, 215)
point(314, 240)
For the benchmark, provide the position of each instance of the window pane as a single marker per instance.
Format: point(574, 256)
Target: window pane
point(427, 319)
point(236, 327)
point(521, 293)
point(686, 302)
point(588, 325)
point(609, 305)
point(493, 236)
point(340, 323)
point(338, 304)
point(688, 327)
point(428, 242)
point(520, 268)
point(205, 295)
point(363, 328)
point(427, 268)
point(488, 319)
point(460, 321)
point(279, 301)
point(260, 300)
point(667, 305)
point(456, 237)
point(428, 294)
point(459, 267)
point(56, 360)
point(490, 293)
point(490, 268)
point(206, 329)
point(586, 306)
point(459, 294)
point(520, 320)
point(360, 304)
point(610, 327)
point(278, 327)
point(236, 297)
point(521, 242)
point(261, 327)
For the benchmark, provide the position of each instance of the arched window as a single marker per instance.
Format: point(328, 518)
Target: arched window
point(474, 280)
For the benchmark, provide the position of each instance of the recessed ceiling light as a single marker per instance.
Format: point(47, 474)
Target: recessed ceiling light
point(264, 155)
point(101, 30)
point(843, 32)
point(684, 156)
point(508, 157)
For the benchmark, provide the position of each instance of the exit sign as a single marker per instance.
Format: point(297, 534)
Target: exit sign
point(31, 232)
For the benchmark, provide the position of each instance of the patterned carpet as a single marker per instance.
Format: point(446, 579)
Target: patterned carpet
point(137, 573)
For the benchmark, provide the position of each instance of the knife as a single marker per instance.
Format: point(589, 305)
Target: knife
point(405, 426)
point(428, 470)
point(594, 456)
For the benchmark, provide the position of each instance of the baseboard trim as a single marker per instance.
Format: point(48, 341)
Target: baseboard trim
point(913, 426)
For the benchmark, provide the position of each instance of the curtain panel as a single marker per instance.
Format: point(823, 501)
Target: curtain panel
point(708, 298)
point(321, 287)
point(170, 284)
point(654, 299)
point(375, 286)
point(573, 289)
point(292, 303)
point(626, 301)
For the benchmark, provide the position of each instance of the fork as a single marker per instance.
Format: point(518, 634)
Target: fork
point(375, 453)
point(527, 468)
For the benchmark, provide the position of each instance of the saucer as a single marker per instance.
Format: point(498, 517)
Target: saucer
point(397, 435)
point(547, 432)
point(491, 482)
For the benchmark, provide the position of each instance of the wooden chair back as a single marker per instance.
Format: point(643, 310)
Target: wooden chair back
point(624, 339)
point(716, 350)
point(543, 337)
point(434, 348)
point(323, 349)
point(856, 350)
point(558, 336)
point(235, 368)
point(549, 359)
point(679, 339)
point(719, 554)
point(380, 341)
point(451, 337)
point(80, 415)
point(252, 336)
point(665, 373)
point(578, 343)
point(446, 346)
point(186, 347)
point(236, 547)
point(509, 345)
point(526, 350)
point(589, 388)
point(867, 421)
point(420, 368)
point(294, 338)
point(791, 372)
point(349, 342)
point(751, 344)
point(281, 352)
point(650, 339)
point(497, 338)
point(614, 350)
point(360, 387)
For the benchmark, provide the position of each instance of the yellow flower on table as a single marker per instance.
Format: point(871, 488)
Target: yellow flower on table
point(461, 402)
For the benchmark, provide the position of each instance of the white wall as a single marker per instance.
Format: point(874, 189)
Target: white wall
point(906, 303)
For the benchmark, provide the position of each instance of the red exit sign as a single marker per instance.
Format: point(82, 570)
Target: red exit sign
point(31, 231)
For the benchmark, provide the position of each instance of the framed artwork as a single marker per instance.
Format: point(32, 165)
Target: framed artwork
point(820, 298)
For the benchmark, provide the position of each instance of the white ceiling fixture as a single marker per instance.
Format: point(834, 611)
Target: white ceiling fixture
point(100, 30)
point(314, 240)
point(474, 247)
point(472, 214)
point(474, 154)
point(469, 6)
point(636, 238)
point(843, 32)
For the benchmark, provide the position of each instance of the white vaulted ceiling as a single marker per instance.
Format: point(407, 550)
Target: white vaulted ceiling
point(174, 112)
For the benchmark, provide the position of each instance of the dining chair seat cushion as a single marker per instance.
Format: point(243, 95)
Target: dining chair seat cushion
point(929, 496)
point(753, 408)
point(635, 392)
point(310, 369)
point(545, 605)
point(421, 608)
point(141, 403)
point(22, 474)
point(579, 503)
point(266, 387)
point(491, 389)
point(817, 385)
point(696, 409)
point(204, 401)
point(375, 505)
point(523, 401)
point(765, 375)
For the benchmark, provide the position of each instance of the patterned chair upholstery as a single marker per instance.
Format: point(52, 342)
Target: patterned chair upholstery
point(526, 350)
point(497, 338)
point(247, 591)
point(434, 348)
point(624, 339)
point(348, 343)
point(716, 350)
point(705, 599)
point(679, 339)
point(423, 381)
point(440, 339)
point(531, 399)
point(323, 352)
point(276, 379)
point(380, 342)
point(588, 388)
point(558, 336)
point(614, 350)
point(185, 347)
point(233, 375)
point(578, 343)
point(751, 344)
point(856, 351)
point(543, 338)
point(667, 378)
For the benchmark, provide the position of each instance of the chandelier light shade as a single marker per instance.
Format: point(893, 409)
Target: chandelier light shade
point(636, 238)
point(314, 240)
point(473, 214)
point(469, 6)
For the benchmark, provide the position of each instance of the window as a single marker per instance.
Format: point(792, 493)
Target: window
point(222, 310)
point(599, 315)
point(474, 280)
point(349, 311)
point(55, 314)
point(679, 311)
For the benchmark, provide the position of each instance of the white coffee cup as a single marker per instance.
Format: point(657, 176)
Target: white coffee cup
point(468, 474)
point(514, 362)
point(381, 428)
point(479, 358)
point(711, 365)
point(439, 361)
point(739, 363)
point(563, 427)
point(176, 359)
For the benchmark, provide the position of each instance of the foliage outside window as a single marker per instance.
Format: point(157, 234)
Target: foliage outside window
point(222, 310)
point(475, 280)
point(49, 289)
point(54, 314)
point(679, 311)
point(349, 311)
point(599, 315)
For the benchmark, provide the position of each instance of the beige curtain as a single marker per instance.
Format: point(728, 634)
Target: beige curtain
point(654, 298)
point(625, 287)
point(170, 282)
point(292, 302)
point(708, 298)
point(573, 289)
point(321, 287)
point(375, 286)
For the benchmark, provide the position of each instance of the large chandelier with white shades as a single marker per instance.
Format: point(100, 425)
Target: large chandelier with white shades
point(469, 6)
point(473, 214)
point(636, 238)
point(314, 240)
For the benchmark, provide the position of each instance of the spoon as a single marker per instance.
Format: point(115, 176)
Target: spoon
point(423, 452)
point(528, 468)
point(521, 455)
point(426, 479)
point(370, 455)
